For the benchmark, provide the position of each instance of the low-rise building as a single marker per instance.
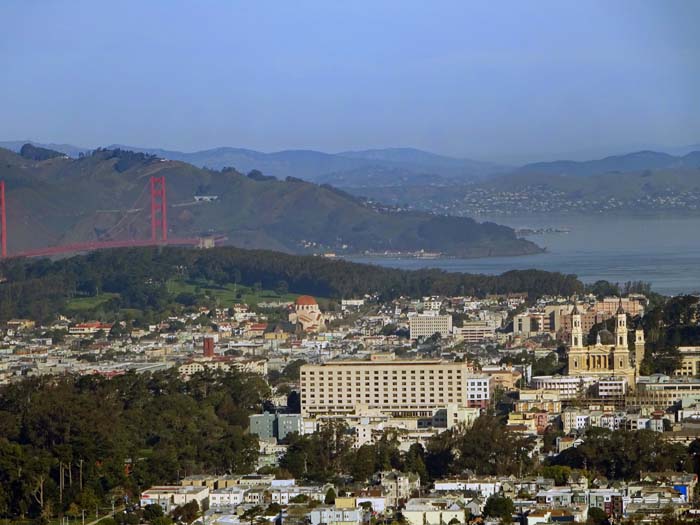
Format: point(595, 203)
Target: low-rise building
point(228, 497)
point(434, 511)
point(90, 328)
point(398, 487)
point(690, 361)
point(474, 332)
point(539, 400)
point(567, 387)
point(335, 515)
point(169, 497)
point(275, 426)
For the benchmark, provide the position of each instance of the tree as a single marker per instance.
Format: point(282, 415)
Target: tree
point(330, 497)
point(187, 512)
point(597, 516)
point(282, 287)
point(152, 511)
point(252, 513)
point(199, 424)
point(361, 465)
point(414, 461)
point(488, 447)
point(623, 454)
point(559, 474)
point(319, 456)
point(498, 506)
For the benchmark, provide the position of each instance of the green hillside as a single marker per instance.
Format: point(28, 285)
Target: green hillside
point(61, 200)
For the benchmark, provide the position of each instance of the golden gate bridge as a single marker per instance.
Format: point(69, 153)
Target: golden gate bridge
point(159, 230)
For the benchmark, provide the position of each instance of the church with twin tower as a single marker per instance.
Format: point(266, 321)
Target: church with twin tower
point(611, 355)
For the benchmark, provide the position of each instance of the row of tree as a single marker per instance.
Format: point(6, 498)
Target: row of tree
point(138, 277)
point(488, 447)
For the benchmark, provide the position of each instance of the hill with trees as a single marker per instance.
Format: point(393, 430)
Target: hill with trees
point(667, 326)
point(103, 195)
point(140, 279)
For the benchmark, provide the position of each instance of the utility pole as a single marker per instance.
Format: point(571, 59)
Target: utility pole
point(83, 513)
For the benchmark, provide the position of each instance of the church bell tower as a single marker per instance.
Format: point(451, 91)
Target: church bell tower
point(576, 328)
point(639, 347)
point(621, 327)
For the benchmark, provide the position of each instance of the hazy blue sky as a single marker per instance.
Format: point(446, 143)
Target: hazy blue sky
point(498, 80)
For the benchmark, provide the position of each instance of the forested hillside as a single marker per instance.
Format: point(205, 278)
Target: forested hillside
point(52, 199)
point(110, 438)
point(668, 326)
point(139, 279)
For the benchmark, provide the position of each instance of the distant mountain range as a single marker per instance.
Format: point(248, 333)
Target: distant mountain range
point(54, 199)
point(414, 178)
point(637, 161)
point(645, 183)
point(349, 168)
point(391, 166)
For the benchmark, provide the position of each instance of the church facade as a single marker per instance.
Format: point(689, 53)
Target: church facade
point(610, 356)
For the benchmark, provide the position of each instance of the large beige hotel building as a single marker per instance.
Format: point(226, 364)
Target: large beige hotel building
point(399, 388)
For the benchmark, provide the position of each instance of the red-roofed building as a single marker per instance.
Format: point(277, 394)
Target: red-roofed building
point(307, 314)
point(90, 328)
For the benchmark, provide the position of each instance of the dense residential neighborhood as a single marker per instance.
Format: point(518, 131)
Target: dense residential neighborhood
point(552, 375)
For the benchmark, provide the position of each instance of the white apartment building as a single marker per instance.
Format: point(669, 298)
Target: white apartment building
point(432, 303)
point(484, 487)
point(568, 387)
point(478, 390)
point(399, 388)
point(228, 497)
point(194, 366)
point(612, 387)
point(474, 332)
point(169, 496)
point(335, 516)
point(428, 325)
point(351, 303)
